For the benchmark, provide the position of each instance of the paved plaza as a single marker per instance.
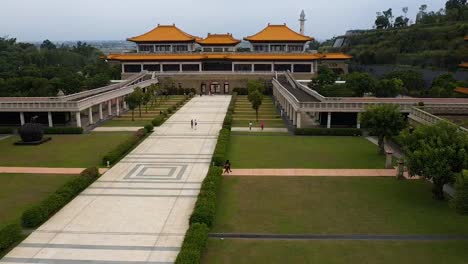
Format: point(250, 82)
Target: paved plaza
point(138, 211)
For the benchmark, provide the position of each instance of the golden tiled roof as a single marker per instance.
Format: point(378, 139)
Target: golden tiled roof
point(228, 56)
point(164, 33)
point(461, 90)
point(278, 33)
point(464, 65)
point(219, 39)
point(466, 38)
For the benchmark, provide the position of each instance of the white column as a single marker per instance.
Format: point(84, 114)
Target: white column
point(272, 67)
point(312, 68)
point(78, 119)
point(358, 123)
point(101, 117)
point(90, 115)
point(200, 67)
point(123, 67)
point(180, 67)
point(141, 67)
point(124, 104)
point(298, 120)
point(252, 67)
point(292, 67)
point(22, 118)
point(49, 118)
point(117, 105)
point(232, 67)
point(294, 117)
point(109, 107)
point(329, 120)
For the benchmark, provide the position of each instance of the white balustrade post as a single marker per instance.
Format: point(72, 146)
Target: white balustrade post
point(90, 115)
point(109, 108)
point(117, 106)
point(298, 120)
point(101, 116)
point(78, 118)
point(49, 118)
point(329, 120)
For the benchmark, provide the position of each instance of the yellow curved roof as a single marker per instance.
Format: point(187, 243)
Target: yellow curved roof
point(164, 33)
point(461, 90)
point(464, 65)
point(228, 56)
point(466, 38)
point(278, 33)
point(219, 39)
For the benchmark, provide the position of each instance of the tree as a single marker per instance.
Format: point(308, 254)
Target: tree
point(255, 85)
point(325, 77)
point(383, 121)
point(360, 83)
point(443, 86)
point(401, 22)
point(421, 14)
point(437, 153)
point(255, 98)
point(47, 44)
point(314, 45)
point(382, 22)
point(139, 96)
point(413, 82)
point(389, 87)
point(133, 101)
point(146, 99)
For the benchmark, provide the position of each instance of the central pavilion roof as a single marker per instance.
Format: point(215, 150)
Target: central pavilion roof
point(278, 33)
point(219, 39)
point(164, 33)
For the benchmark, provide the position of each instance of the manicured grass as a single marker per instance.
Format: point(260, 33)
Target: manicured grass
point(243, 113)
point(79, 151)
point(126, 123)
point(20, 191)
point(303, 152)
point(336, 252)
point(333, 205)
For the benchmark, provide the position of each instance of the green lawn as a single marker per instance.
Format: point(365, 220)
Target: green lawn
point(268, 114)
point(20, 191)
point(303, 152)
point(333, 205)
point(336, 252)
point(79, 151)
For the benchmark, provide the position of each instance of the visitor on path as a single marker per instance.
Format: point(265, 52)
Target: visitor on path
point(250, 125)
point(281, 111)
point(195, 123)
point(191, 123)
point(227, 167)
point(262, 125)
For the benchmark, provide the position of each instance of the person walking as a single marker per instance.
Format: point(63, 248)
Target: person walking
point(281, 112)
point(191, 123)
point(195, 123)
point(227, 167)
point(250, 125)
point(262, 125)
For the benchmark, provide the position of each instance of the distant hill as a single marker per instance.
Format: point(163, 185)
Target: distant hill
point(438, 45)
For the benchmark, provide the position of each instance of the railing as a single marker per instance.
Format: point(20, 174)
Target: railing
point(286, 94)
point(424, 117)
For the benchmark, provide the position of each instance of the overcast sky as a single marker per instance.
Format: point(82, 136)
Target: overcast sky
point(57, 20)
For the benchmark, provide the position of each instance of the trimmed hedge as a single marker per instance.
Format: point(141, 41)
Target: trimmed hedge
point(205, 207)
point(328, 132)
point(219, 155)
point(241, 91)
point(149, 128)
point(63, 130)
point(159, 120)
point(6, 130)
point(460, 200)
point(193, 245)
point(118, 152)
point(38, 214)
point(227, 123)
point(9, 235)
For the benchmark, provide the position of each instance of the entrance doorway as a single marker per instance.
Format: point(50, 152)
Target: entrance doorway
point(203, 88)
point(215, 88)
point(226, 88)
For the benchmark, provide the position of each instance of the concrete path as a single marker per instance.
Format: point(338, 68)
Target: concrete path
point(315, 172)
point(45, 170)
point(116, 129)
point(257, 129)
point(138, 211)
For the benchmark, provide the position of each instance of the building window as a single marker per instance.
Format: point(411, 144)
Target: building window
point(277, 48)
point(151, 67)
point(162, 48)
point(295, 48)
point(260, 48)
point(132, 68)
point(217, 66)
point(180, 48)
point(145, 48)
point(282, 67)
point(190, 67)
point(207, 49)
point(217, 49)
point(302, 67)
point(262, 67)
point(242, 67)
point(171, 67)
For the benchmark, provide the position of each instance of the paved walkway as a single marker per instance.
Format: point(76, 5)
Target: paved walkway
point(116, 129)
point(315, 172)
point(257, 129)
point(45, 170)
point(138, 211)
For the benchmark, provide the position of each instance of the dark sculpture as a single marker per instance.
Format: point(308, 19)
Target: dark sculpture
point(31, 132)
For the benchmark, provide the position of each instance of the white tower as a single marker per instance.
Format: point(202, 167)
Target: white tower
point(302, 20)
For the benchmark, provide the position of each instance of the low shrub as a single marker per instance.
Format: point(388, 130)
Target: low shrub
point(241, 91)
point(460, 200)
point(328, 132)
point(63, 130)
point(205, 207)
point(38, 214)
point(227, 123)
point(219, 155)
point(6, 130)
point(9, 235)
point(149, 128)
point(159, 120)
point(193, 245)
point(120, 150)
